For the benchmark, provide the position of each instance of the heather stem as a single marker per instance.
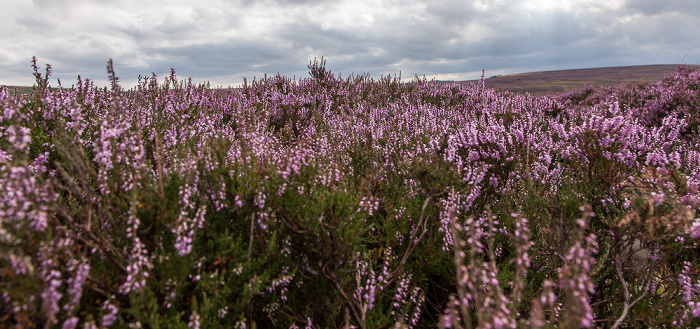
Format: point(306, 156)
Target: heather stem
point(413, 241)
point(459, 264)
point(250, 241)
point(627, 305)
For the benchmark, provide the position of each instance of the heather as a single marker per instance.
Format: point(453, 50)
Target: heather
point(330, 202)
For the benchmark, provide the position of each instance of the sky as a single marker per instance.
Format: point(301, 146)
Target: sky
point(223, 41)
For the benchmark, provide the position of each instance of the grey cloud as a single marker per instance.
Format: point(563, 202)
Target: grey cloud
point(655, 7)
point(224, 40)
point(34, 23)
point(331, 41)
point(298, 2)
point(221, 59)
point(429, 41)
point(452, 12)
point(285, 3)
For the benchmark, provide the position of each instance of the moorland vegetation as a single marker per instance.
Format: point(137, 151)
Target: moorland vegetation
point(331, 202)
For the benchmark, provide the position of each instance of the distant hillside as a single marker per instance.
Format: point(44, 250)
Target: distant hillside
point(20, 89)
point(556, 82)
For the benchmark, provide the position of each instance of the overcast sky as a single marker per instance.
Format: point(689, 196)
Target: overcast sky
point(222, 41)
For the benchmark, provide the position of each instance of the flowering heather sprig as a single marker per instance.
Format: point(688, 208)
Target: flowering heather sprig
point(104, 153)
point(81, 271)
point(271, 310)
point(298, 157)
point(477, 281)
point(694, 230)
point(574, 275)
point(186, 226)
point(90, 325)
point(407, 302)
point(70, 323)
point(51, 296)
point(186, 230)
point(262, 217)
point(493, 305)
point(386, 266)
point(690, 295)
point(309, 324)
point(25, 199)
point(170, 293)
point(521, 235)
point(49, 264)
point(20, 265)
point(118, 142)
point(281, 283)
point(260, 199)
point(194, 321)
point(282, 188)
point(42, 83)
point(39, 166)
point(369, 205)
point(330, 175)
point(450, 208)
point(398, 217)
point(4, 157)
point(221, 313)
point(139, 262)
point(365, 293)
point(692, 164)
point(18, 137)
point(237, 201)
point(219, 197)
point(110, 313)
point(450, 317)
point(540, 305)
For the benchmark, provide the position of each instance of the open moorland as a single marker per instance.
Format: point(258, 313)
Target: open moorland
point(19, 89)
point(557, 82)
point(352, 202)
point(552, 82)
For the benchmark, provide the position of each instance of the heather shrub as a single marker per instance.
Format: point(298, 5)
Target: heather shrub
point(330, 202)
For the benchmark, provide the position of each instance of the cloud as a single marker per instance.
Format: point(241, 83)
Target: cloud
point(652, 8)
point(222, 41)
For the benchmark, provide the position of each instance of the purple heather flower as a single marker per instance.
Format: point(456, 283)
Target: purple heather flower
point(139, 262)
point(76, 283)
point(50, 295)
point(694, 230)
point(110, 315)
point(70, 323)
point(194, 321)
point(89, 325)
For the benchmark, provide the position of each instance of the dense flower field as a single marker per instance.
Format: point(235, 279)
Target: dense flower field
point(333, 202)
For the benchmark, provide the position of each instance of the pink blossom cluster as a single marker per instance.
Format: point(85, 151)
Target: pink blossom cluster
point(690, 295)
point(407, 303)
